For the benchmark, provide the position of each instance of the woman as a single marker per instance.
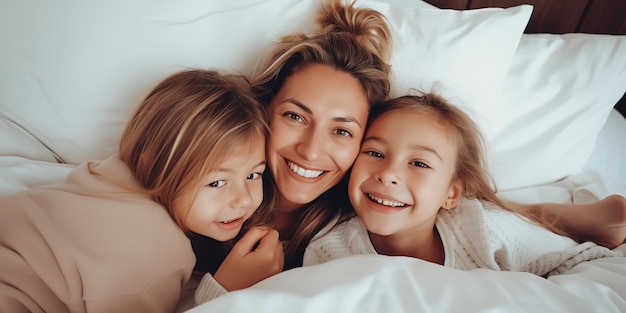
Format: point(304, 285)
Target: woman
point(318, 90)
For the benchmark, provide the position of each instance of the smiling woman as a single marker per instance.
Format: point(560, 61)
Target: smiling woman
point(318, 90)
point(317, 121)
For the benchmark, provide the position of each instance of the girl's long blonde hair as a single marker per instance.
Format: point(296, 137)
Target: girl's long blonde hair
point(353, 40)
point(183, 129)
point(471, 165)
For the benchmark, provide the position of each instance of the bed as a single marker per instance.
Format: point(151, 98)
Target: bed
point(544, 81)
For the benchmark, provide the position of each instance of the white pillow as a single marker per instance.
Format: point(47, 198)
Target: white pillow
point(72, 71)
point(557, 96)
point(462, 54)
point(17, 142)
point(74, 88)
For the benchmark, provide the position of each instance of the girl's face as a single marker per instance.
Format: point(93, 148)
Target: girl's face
point(317, 121)
point(229, 195)
point(403, 174)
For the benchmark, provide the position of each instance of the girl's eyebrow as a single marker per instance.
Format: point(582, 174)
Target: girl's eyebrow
point(339, 119)
point(414, 147)
point(228, 170)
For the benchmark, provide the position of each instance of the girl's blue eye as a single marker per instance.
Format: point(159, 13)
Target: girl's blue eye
point(217, 184)
point(254, 176)
point(375, 154)
point(419, 164)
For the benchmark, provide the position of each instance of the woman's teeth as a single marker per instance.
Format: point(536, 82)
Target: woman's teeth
point(385, 202)
point(303, 172)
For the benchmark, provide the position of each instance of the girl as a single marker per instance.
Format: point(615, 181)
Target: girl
point(420, 189)
point(112, 237)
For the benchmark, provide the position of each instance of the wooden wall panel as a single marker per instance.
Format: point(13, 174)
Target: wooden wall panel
point(549, 16)
point(621, 105)
point(605, 17)
point(449, 4)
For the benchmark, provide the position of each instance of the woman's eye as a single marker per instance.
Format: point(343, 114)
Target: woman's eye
point(374, 154)
point(294, 116)
point(419, 164)
point(254, 176)
point(343, 133)
point(217, 184)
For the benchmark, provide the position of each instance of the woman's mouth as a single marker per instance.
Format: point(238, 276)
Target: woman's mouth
point(303, 172)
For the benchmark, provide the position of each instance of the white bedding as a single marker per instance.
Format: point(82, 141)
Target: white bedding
point(70, 73)
point(400, 284)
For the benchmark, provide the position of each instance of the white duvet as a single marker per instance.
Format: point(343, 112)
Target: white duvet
point(374, 283)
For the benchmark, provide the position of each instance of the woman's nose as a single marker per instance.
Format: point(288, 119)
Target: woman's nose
point(311, 147)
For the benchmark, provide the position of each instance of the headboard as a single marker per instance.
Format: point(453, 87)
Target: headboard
point(561, 16)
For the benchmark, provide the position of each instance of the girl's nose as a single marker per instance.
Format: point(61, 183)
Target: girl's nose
point(242, 197)
point(388, 175)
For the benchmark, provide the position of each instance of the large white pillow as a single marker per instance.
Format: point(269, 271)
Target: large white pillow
point(462, 54)
point(557, 96)
point(73, 71)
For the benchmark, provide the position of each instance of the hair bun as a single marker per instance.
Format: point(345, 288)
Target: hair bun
point(367, 25)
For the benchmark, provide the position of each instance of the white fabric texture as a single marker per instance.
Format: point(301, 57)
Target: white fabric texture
point(557, 96)
point(99, 59)
point(208, 289)
point(475, 235)
point(74, 88)
point(609, 153)
point(462, 54)
point(375, 283)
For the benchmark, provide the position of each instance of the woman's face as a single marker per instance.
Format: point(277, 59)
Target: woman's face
point(317, 120)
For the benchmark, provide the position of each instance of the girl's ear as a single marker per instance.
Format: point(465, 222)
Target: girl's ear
point(454, 194)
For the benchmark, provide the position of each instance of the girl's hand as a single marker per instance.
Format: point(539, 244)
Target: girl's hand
point(248, 263)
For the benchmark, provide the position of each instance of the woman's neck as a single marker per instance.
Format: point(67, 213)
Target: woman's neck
point(286, 216)
point(421, 245)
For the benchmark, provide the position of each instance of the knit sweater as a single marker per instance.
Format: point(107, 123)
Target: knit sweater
point(89, 245)
point(475, 235)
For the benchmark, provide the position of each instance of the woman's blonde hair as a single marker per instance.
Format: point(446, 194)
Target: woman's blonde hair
point(471, 165)
point(184, 128)
point(353, 40)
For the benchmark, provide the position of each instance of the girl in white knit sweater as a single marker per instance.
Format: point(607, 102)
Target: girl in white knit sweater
point(420, 189)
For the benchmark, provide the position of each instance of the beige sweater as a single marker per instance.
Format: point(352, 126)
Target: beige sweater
point(87, 245)
point(475, 235)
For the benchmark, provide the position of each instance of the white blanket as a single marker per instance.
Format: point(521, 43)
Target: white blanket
point(400, 284)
